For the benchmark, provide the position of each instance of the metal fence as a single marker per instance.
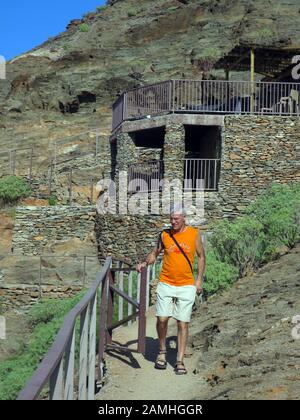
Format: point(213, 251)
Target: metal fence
point(10, 161)
point(146, 176)
point(209, 97)
point(201, 174)
point(58, 369)
point(198, 175)
point(23, 161)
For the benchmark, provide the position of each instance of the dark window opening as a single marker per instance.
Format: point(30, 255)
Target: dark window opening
point(202, 157)
point(86, 97)
point(149, 168)
point(151, 138)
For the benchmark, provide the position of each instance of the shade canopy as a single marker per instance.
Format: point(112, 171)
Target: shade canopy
point(269, 61)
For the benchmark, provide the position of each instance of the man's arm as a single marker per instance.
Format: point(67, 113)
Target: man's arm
point(201, 263)
point(151, 257)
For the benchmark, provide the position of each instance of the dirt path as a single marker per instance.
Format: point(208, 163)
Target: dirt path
point(133, 377)
point(242, 342)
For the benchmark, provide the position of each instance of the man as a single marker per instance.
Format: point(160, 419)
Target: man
point(177, 287)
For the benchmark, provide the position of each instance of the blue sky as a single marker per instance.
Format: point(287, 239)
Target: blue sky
point(26, 24)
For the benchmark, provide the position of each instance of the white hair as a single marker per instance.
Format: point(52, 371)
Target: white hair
point(178, 209)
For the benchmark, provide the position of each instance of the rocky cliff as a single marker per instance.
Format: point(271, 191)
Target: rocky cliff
point(67, 84)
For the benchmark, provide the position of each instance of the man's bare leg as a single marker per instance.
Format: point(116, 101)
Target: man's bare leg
point(182, 336)
point(162, 328)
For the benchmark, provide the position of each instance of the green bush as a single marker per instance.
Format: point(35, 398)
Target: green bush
point(278, 210)
point(101, 8)
point(131, 12)
point(13, 188)
point(240, 243)
point(46, 318)
point(52, 200)
point(219, 275)
point(84, 27)
point(271, 222)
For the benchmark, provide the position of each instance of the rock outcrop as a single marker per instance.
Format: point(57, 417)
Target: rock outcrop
point(244, 336)
point(74, 77)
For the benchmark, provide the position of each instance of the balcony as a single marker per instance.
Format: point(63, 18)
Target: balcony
point(207, 97)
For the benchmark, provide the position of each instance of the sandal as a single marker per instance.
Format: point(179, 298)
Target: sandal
point(159, 363)
point(180, 370)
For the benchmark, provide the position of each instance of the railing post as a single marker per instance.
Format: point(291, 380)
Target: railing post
point(56, 382)
point(121, 287)
point(124, 116)
point(110, 309)
point(83, 355)
point(92, 349)
point(30, 166)
point(130, 295)
point(69, 369)
point(50, 178)
point(102, 326)
point(173, 95)
point(142, 313)
point(148, 288)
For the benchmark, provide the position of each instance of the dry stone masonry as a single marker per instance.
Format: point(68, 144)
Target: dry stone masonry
point(37, 229)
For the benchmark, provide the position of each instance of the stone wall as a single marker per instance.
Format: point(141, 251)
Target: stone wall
point(258, 150)
point(144, 154)
point(21, 298)
point(255, 151)
point(127, 236)
point(39, 230)
point(130, 236)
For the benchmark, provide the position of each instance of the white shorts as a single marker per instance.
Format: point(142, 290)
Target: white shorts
point(175, 301)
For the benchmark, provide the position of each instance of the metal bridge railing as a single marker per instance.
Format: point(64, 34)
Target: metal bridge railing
point(58, 369)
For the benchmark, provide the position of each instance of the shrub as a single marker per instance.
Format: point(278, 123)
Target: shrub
point(52, 200)
point(131, 12)
point(84, 27)
point(13, 188)
point(46, 318)
point(101, 8)
point(219, 274)
point(278, 210)
point(239, 243)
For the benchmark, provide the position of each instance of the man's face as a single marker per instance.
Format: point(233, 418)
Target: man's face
point(177, 221)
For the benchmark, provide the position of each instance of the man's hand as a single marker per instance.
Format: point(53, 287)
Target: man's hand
point(198, 284)
point(139, 266)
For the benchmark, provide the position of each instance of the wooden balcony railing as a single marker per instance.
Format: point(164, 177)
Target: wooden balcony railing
point(208, 97)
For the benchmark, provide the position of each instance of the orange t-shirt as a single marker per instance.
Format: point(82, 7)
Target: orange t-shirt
point(175, 269)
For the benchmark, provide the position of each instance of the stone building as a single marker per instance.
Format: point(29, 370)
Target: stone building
point(231, 140)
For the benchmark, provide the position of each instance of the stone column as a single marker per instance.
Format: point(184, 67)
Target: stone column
point(126, 156)
point(174, 151)
point(126, 151)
